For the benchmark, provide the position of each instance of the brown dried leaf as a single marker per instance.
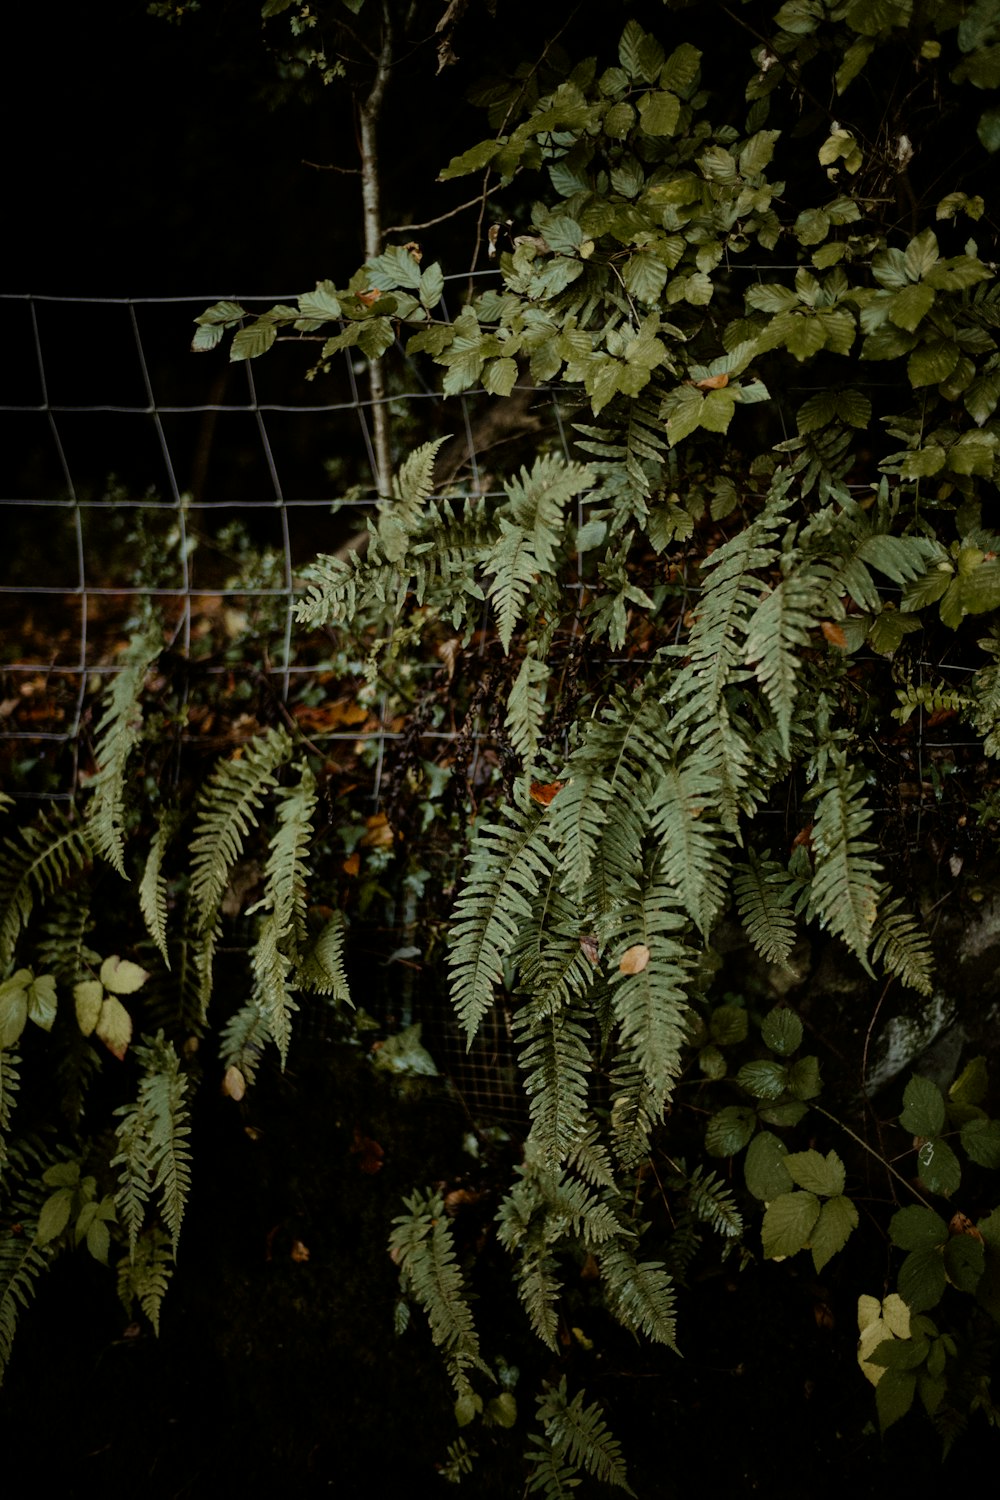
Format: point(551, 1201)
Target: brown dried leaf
point(834, 634)
point(234, 1085)
point(299, 1252)
point(379, 835)
point(634, 959)
point(713, 383)
point(545, 791)
point(588, 943)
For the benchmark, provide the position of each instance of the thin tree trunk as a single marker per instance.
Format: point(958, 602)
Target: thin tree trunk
point(370, 185)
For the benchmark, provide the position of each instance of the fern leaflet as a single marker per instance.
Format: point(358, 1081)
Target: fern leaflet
point(118, 733)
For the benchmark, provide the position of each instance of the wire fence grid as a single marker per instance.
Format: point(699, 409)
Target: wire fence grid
point(113, 429)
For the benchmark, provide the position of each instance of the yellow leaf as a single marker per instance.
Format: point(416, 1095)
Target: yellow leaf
point(87, 998)
point(234, 1085)
point(122, 977)
point(634, 959)
point(114, 1027)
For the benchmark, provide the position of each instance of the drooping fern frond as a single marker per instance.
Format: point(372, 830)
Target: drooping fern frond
point(650, 968)
point(551, 1474)
point(421, 1244)
point(62, 947)
point(764, 895)
point(526, 707)
point(776, 635)
point(144, 1275)
point(531, 529)
point(21, 1264)
point(639, 1294)
point(321, 971)
point(581, 1433)
point(118, 733)
point(10, 1082)
point(984, 707)
point(287, 870)
point(899, 945)
point(846, 884)
point(712, 1202)
point(227, 810)
point(632, 451)
point(272, 972)
point(153, 886)
point(507, 862)
point(692, 844)
point(244, 1038)
point(400, 517)
point(34, 863)
point(154, 1154)
point(557, 1063)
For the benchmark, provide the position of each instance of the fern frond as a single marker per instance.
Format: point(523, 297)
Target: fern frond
point(10, 1082)
point(582, 1434)
point(556, 1060)
point(400, 517)
point(144, 1275)
point(321, 970)
point(34, 863)
point(271, 973)
point(639, 1294)
point(194, 967)
point(649, 998)
point(154, 1153)
point(899, 945)
point(635, 1109)
point(691, 843)
point(62, 949)
point(421, 1244)
point(531, 529)
point(118, 733)
point(712, 1202)
point(777, 632)
point(153, 886)
point(287, 870)
point(507, 862)
point(21, 1264)
point(764, 894)
point(590, 1160)
point(551, 1474)
point(846, 884)
point(526, 708)
point(227, 810)
point(244, 1038)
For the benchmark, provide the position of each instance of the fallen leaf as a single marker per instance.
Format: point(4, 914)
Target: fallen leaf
point(634, 959)
point(713, 383)
point(960, 1223)
point(234, 1085)
point(370, 297)
point(352, 864)
point(299, 1252)
point(379, 835)
point(369, 1152)
point(546, 791)
point(834, 634)
point(588, 943)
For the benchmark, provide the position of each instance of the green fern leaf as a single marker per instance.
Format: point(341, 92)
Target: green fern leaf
point(227, 810)
point(776, 635)
point(640, 1294)
point(691, 843)
point(582, 1433)
point(846, 885)
point(712, 1202)
point(650, 973)
point(22, 1262)
point(506, 865)
point(271, 972)
point(153, 886)
point(10, 1082)
point(557, 1063)
point(422, 1246)
point(118, 733)
point(144, 1275)
point(764, 894)
point(400, 517)
point(526, 708)
point(287, 870)
point(34, 863)
point(321, 970)
point(153, 1153)
point(900, 946)
point(244, 1038)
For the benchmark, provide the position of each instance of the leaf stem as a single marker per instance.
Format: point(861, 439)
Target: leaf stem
point(872, 1152)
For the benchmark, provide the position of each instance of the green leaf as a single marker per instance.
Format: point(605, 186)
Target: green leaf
point(908, 307)
point(972, 1084)
point(474, 160)
point(54, 1216)
point(14, 1007)
point(822, 1175)
point(763, 1079)
point(252, 341)
point(680, 70)
point(922, 1279)
point(964, 1261)
point(923, 1108)
point(728, 1025)
point(803, 1078)
point(933, 362)
point(659, 113)
point(788, 1223)
point(764, 1169)
point(894, 1396)
point(41, 996)
point(729, 1130)
point(121, 976)
point(781, 1031)
point(940, 1171)
point(920, 255)
point(981, 1142)
point(917, 1228)
point(837, 1218)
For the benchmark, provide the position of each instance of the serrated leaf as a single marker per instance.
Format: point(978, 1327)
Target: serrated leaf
point(252, 341)
point(474, 160)
point(54, 1216)
point(121, 976)
point(940, 1171)
point(923, 1108)
point(41, 998)
point(659, 113)
point(114, 1027)
point(729, 1130)
point(981, 1142)
point(933, 362)
point(922, 1279)
point(788, 1223)
point(972, 1084)
point(763, 1079)
point(917, 1228)
point(88, 996)
point(822, 1175)
point(837, 1218)
point(894, 1396)
point(964, 1261)
point(764, 1169)
point(804, 1078)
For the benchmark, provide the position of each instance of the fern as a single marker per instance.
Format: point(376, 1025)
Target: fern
point(846, 885)
point(764, 895)
point(506, 865)
point(271, 972)
point(244, 1038)
point(640, 1294)
point(421, 1245)
point(556, 1061)
point(22, 1259)
point(153, 886)
point(153, 1153)
point(531, 527)
point(144, 1275)
point(650, 973)
point(692, 844)
point(399, 518)
point(10, 1082)
point(526, 707)
point(899, 946)
point(713, 1203)
point(35, 862)
point(581, 1433)
point(62, 946)
point(776, 634)
point(227, 811)
point(287, 871)
point(321, 970)
point(118, 733)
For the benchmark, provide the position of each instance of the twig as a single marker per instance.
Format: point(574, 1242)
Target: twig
point(426, 224)
point(368, 116)
point(327, 166)
point(872, 1152)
